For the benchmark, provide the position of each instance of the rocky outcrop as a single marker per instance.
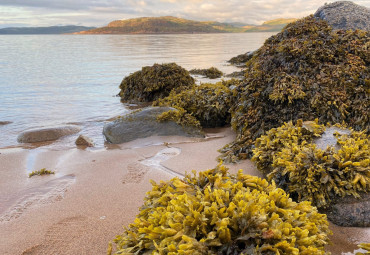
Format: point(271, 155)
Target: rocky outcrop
point(84, 141)
point(350, 211)
point(46, 134)
point(143, 123)
point(345, 15)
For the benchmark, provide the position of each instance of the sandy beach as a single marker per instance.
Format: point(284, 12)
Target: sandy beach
point(94, 193)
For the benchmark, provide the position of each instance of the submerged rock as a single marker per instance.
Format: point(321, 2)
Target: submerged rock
point(46, 134)
point(3, 123)
point(144, 123)
point(345, 15)
point(84, 141)
point(350, 211)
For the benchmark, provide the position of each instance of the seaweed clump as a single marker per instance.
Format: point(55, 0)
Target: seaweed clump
point(209, 104)
point(307, 71)
point(43, 171)
point(289, 156)
point(366, 247)
point(211, 73)
point(154, 82)
point(215, 212)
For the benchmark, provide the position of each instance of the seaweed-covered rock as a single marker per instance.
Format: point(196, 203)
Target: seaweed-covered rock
point(289, 156)
point(307, 71)
point(84, 141)
point(211, 73)
point(144, 123)
point(46, 134)
point(241, 59)
point(208, 103)
point(154, 82)
point(215, 212)
point(345, 15)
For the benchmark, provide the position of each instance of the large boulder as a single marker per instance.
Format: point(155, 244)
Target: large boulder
point(47, 134)
point(143, 123)
point(345, 15)
point(350, 211)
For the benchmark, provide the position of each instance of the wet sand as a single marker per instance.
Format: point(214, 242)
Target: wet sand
point(93, 194)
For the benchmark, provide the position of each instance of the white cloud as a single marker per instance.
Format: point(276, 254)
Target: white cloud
point(101, 12)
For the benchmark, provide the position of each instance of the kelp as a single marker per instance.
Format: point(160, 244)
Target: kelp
point(154, 82)
point(208, 103)
point(365, 246)
point(43, 171)
point(211, 73)
point(307, 71)
point(215, 212)
point(289, 156)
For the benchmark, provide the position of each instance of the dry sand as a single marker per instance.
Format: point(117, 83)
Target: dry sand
point(95, 193)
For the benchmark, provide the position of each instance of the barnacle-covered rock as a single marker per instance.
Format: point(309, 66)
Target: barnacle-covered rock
point(215, 212)
point(211, 73)
point(154, 82)
point(208, 103)
point(289, 156)
point(305, 72)
point(345, 15)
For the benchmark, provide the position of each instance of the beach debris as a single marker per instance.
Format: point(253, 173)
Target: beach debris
point(40, 172)
point(345, 15)
point(215, 212)
point(143, 123)
point(324, 175)
point(46, 134)
point(307, 71)
point(154, 82)
point(211, 73)
point(84, 141)
point(206, 105)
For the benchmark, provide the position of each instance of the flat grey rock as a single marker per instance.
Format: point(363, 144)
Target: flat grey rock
point(350, 211)
point(143, 123)
point(47, 134)
point(345, 15)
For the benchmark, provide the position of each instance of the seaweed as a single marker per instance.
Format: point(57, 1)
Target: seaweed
point(289, 156)
point(211, 73)
point(43, 171)
point(307, 71)
point(154, 82)
point(365, 246)
point(208, 103)
point(215, 212)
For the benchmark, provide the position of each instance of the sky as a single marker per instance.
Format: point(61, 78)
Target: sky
point(100, 12)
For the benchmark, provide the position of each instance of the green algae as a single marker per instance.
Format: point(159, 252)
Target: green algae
point(289, 156)
point(154, 82)
point(307, 71)
point(43, 171)
point(215, 212)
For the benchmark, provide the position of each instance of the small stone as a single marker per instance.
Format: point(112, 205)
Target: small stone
point(84, 141)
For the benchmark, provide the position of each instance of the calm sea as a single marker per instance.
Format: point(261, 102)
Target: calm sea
point(52, 80)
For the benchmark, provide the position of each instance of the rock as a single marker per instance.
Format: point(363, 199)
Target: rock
point(84, 141)
point(350, 211)
point(241, 59)
point(46, 134)
point(143, 123)
point(345, 15)
point(3, 123)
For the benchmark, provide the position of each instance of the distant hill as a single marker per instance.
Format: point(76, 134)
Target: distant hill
point(43, 30)
point(269, 26)
point(173, 25)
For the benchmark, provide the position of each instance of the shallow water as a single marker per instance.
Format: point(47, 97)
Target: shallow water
point(52, 80)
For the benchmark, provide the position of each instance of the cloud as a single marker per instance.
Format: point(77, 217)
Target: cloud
point(101, 12)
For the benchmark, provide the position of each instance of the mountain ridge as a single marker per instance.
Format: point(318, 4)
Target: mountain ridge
point(43, 30)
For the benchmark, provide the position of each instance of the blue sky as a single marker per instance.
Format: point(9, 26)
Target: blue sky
point(101, 12)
